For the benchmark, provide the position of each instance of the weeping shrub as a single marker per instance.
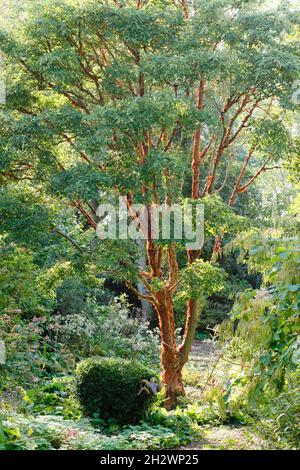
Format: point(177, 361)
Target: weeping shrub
point(109, 388)
point(262, 339)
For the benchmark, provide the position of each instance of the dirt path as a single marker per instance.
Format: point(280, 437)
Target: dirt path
point(203, 357)
point(228, 438)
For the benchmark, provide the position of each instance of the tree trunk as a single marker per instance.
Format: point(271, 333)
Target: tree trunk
point(142, 265)
point(174, 386)
point(193, 312)
point(171, 364)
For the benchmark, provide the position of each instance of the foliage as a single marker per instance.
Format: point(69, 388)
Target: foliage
point(31, 354)
point(107, 330)
point(109, 388)
point(199, 281)
point(276, 309)
point(48, 424)
point(40, 346)
point(263, 334)
point(49, 433)
point(278, 419)
point(54, 398)
point(23, 285)
point(81, 292)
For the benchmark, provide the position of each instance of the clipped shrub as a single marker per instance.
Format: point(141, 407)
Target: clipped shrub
point(109, 388)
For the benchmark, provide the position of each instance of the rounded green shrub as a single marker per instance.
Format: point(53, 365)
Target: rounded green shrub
point(109, 388)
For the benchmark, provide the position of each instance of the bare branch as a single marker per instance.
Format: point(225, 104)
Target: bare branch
point(64, 235)
point(262, 168)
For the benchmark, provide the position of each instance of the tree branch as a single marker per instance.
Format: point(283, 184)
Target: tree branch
point(262, 168)
point(64, 235)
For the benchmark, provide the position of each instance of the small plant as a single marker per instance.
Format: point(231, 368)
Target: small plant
point(54, 398)
point(20, 432)
point(109, 388)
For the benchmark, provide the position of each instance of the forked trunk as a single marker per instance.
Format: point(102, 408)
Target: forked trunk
point(171, 364)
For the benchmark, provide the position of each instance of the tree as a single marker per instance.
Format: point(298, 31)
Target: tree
point(150, 100)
